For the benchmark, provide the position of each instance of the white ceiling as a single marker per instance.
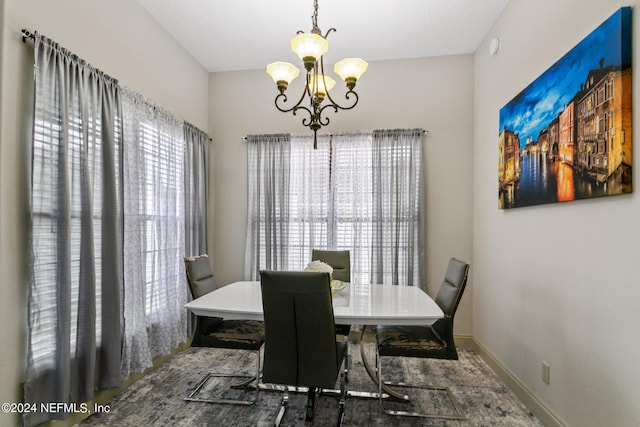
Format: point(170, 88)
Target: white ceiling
point(229, 35)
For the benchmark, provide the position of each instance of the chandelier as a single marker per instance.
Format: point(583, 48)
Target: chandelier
point(310, 48)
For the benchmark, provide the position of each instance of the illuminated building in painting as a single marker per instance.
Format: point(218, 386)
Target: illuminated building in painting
point(566, 134)
point(603, 119)
point(508, 158)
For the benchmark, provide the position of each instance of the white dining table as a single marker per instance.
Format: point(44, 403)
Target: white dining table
point(357, 304)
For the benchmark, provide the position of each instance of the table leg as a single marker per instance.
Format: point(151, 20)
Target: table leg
point(372, 374)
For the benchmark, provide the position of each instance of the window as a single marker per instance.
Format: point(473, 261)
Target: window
point(360, 192)
point(600, 96)
point(310, 205)
point(107, 285)
point(608, 89)
point(330, 200)
point(163, 171)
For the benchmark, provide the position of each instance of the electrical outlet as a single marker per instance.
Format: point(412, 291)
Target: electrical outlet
point(546, 372)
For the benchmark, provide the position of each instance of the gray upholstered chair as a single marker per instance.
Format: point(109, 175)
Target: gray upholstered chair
point(431, 342)
point(300, 346)
point(219, 333)
point(340, 261)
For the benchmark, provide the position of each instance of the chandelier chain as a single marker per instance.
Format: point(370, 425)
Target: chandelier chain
point(314, 18)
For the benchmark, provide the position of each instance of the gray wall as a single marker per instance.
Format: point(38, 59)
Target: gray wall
point(556, 283)
point(118, 37)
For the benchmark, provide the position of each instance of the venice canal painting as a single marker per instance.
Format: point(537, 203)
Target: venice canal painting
point(567, 135)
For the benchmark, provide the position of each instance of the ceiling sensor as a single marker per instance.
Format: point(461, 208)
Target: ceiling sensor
point(494, 46)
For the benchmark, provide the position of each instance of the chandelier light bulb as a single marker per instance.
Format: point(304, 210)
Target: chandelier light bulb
point(350, 69)
point(282, 73)
point(320, 90)
point(309, 47)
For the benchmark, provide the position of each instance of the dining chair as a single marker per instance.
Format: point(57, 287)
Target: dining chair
point(300, 341)
point(340, 261)
point(429, 342)
point(215, 332)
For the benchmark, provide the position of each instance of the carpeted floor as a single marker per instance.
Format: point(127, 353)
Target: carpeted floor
point(157, 399)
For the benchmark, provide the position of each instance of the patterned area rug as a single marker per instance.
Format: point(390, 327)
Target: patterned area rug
point(157, 399)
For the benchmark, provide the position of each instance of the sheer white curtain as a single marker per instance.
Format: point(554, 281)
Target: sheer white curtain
point(288, 201)
point(155, 292)
point(268, 163)
point(310, 198)
point(358, 191)
point(75, 241)
point(353, 214)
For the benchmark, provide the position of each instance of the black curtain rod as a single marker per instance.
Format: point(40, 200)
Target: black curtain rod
point(26, 34)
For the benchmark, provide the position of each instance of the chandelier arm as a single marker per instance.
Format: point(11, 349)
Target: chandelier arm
point(324, 121)
point(304, 119)
point(347, 96)
point(335, 108)
point(283, 97)
point(328, 31)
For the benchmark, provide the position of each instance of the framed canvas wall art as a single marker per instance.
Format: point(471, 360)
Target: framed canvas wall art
point(568, 134)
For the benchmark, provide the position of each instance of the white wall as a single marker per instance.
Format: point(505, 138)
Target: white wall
point(120, 38)
point(556, 283)
point(435, 94)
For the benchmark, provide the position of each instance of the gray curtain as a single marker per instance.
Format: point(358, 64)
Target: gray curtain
point(398, 249)
point(196, 182)
point(76, 233)
point(267, 203)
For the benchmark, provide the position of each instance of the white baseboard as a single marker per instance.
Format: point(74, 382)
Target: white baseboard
point(546, 417)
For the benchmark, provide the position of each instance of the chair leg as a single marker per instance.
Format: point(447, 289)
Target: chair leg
point(311, 403)
point(283, 408)
point(347, 359)
point(340, 414)
point(237, 385)
point(343, 396)
point(458, 415)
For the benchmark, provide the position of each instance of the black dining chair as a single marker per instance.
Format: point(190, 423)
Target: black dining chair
point(340, 261)
point(300, 342)
point(429, 342)
point(215, 332)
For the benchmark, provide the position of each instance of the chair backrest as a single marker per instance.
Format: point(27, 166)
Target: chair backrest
point(449, 295)
point(300, 340)
point(199, 275)
point(339, 260)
